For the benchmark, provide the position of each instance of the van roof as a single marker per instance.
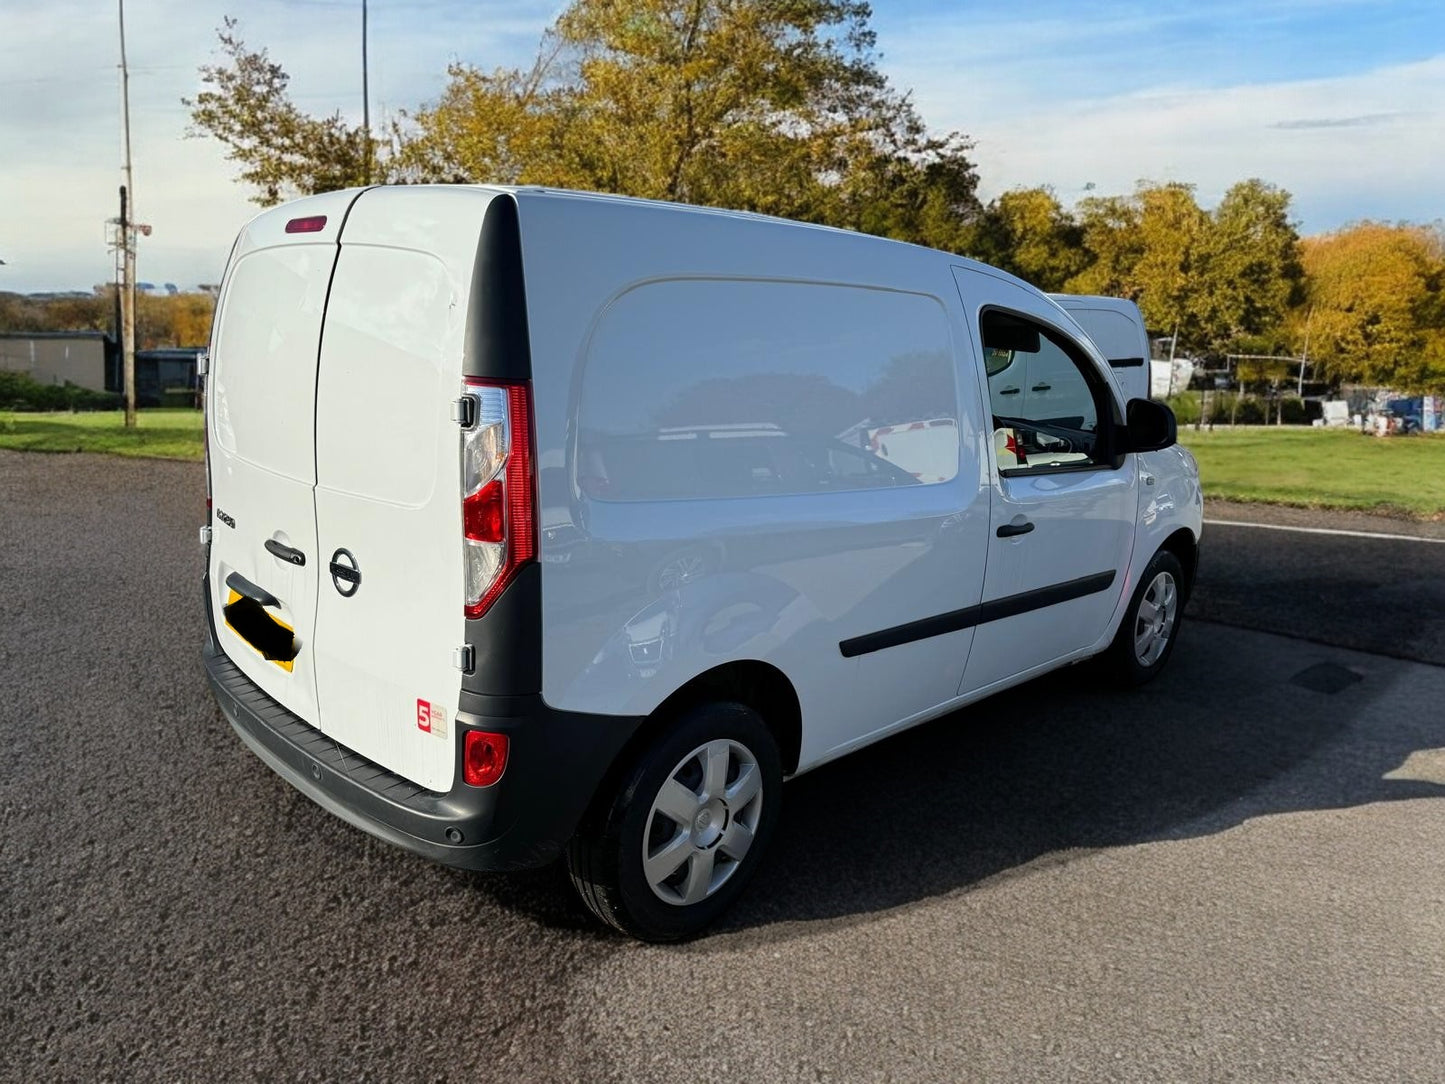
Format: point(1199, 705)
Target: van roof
point(544, 193)
point(671, 207)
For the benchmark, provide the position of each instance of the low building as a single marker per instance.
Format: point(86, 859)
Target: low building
point(164, 376)
point(58, 357)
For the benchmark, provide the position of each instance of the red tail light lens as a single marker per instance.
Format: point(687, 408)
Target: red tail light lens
point(309, 224)
point(484, 758)
point(484, 514)
point(499, 528)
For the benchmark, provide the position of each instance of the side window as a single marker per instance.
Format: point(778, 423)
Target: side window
point(1046, 399)
point(709, 389)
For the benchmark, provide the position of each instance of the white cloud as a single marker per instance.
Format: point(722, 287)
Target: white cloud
point(1123, 97)
point(1367, 145)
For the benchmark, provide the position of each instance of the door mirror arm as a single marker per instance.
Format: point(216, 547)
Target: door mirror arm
point(1150, 426)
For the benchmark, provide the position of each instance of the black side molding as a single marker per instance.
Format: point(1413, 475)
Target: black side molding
point(982, 614)
point(1125, 363)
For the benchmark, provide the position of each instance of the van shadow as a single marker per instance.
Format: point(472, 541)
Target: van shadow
point(1063, 764)
point(1066, 764)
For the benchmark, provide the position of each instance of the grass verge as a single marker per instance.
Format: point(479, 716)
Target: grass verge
point(1309, 468)
point(159, 433)
point(1323, 468)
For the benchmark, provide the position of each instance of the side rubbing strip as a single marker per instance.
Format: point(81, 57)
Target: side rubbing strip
point(1126, 363)
point(995, 610)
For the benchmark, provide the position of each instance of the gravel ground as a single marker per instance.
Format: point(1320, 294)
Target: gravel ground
point(1232, 874)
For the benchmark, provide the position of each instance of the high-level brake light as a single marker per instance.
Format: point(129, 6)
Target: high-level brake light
point(309, 224)
point(499, 523)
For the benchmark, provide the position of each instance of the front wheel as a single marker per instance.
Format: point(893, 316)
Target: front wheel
point(1147, 635)
point(685, 828)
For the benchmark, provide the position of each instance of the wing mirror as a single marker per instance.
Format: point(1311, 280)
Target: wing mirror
point(1150, 426)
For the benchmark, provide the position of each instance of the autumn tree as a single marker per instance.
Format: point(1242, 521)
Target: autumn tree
point(1113, 246)
point(768, 105)
point(1027, 232)
point(1220, 279)
point(1375, 305)
point(173, 320)
point(1249, 259)
point(283, 152)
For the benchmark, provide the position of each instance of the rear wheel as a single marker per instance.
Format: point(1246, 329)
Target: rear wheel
point(686, 826)
point(1147, 634)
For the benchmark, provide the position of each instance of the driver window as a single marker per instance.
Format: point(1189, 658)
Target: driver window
point(1044, 396)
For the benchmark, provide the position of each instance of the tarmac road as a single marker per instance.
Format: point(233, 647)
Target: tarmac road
point(1372, 594)
point(1234, 873)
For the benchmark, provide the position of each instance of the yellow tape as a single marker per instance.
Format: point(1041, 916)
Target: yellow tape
point(235, 596)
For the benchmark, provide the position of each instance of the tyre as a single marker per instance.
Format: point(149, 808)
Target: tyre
point(675, 842)
point(1150, 628)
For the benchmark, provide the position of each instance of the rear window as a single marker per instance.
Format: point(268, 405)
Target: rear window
point(705, 389)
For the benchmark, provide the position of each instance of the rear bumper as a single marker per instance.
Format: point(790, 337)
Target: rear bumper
point(555, 764)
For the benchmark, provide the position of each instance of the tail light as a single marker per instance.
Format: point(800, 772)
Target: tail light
point(499, 523)
point(484, 758)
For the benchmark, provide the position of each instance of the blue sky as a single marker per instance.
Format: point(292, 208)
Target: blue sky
point(1340, 101)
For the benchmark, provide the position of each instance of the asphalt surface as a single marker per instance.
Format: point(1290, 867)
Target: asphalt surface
point(1385, 596)
point(1233, 873)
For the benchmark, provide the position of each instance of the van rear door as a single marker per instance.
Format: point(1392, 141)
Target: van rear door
point(388, 494)
point(260, 417)
point(1117, 328)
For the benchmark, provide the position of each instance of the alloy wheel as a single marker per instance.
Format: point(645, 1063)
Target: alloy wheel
point(702, 822)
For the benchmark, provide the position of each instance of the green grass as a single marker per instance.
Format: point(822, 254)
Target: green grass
point(1323, 468)
point(159, 433)
point(1312, 468)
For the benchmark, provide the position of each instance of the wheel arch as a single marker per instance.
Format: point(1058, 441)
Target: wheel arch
point(1184, 546)
point(759, 685)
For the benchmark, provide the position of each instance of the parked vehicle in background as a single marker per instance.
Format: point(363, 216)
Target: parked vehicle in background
point(545, 523)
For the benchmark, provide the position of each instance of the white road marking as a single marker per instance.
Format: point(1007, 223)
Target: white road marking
point(1323, 530)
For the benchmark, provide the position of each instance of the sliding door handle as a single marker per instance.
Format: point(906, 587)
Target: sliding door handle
point(1009, 530)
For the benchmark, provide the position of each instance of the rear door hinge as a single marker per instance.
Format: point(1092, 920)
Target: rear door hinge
point(464, 658)
point(203, 363)
point(464, 411)
point(206, 535)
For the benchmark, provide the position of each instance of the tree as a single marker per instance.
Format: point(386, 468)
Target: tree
point(766, 105)
point(1249, 259)
point(1220, 280)
point(1028, 233)
point(1171, 274)
point(1376, 305)
point(283, 152)
point(173, 320)
point(1113, 246)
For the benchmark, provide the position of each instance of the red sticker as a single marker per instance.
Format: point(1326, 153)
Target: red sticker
point(423, 716)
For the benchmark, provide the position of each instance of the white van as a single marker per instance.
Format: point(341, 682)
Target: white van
point(544, 523)
point(1116, 327)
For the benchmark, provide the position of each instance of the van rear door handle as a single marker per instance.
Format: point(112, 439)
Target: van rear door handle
point(285, 552)
point(1042, 387)
point(1008, 530)
point(242, 586)
point(1008, 391)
